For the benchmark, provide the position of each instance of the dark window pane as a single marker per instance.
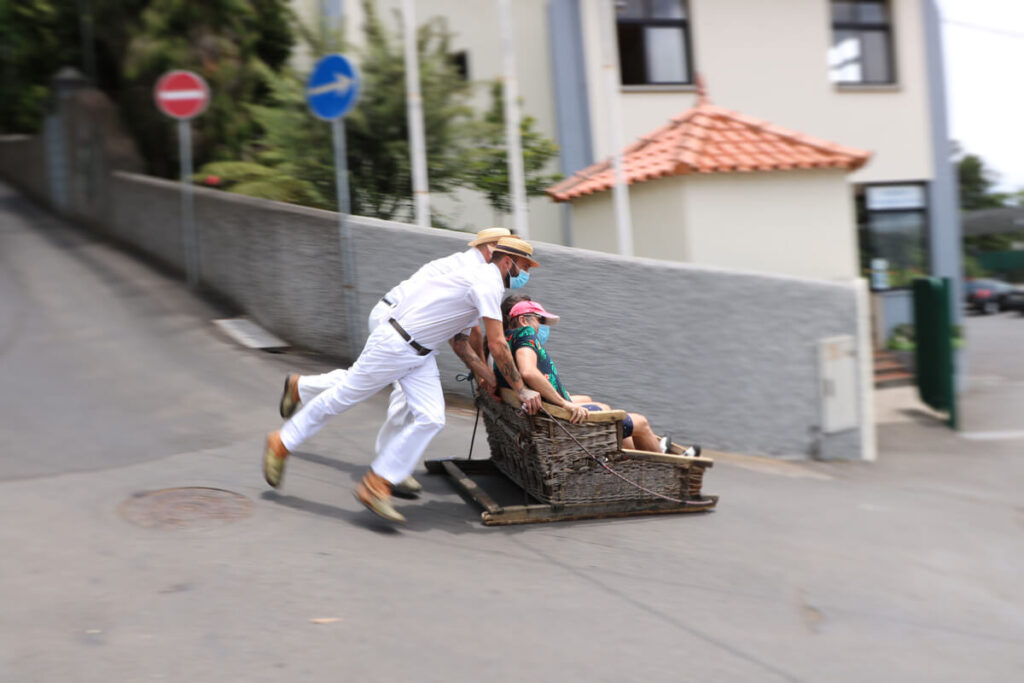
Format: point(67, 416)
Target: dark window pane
point(874, 47)
point(666, 54)
point(899, 237)
point(632, 59)
point(668, 9)
point(629, 9)
point(843, 10)
point(872, 13)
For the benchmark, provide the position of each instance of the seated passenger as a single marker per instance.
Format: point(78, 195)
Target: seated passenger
point(528, 329)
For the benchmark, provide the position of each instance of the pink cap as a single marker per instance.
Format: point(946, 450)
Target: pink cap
point(527, 307)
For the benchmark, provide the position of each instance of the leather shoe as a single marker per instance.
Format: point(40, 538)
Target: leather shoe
point(274, 455)
point(288, 405)
point(374, 492)
point(407, 487)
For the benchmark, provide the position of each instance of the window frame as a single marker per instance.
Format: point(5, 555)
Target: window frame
point(859, 26)
point(863, 214)
point(645, 21)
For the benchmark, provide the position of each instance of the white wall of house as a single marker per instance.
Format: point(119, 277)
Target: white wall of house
point(593, 223)
point(798, 223)
point(768, 60)
point(784, 222)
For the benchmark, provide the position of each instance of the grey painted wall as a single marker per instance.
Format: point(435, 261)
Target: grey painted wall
point(22, 164)
point(722, 358)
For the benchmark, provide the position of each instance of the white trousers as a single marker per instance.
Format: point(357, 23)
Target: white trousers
point(386, 358)
point(399, 415)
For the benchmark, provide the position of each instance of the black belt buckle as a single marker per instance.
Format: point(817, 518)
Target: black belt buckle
point(420, 349)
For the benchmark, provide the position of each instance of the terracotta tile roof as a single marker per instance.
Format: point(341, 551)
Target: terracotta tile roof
point(710, 139)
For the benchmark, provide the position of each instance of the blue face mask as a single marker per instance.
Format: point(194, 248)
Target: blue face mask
point(519, 280)
point(543, 332)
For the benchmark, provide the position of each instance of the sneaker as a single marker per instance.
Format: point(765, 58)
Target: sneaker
point(692, 452)
point(407, 487)
point(374, 492)
point(665, 443)
point(274, 456)
point(288, 405)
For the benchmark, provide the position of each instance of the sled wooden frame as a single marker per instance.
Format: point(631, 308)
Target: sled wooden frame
point(461, 473)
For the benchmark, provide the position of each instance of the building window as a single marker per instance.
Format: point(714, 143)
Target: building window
point(892, 227)
point(654, 42)
point(460, 61)
point(861, 49)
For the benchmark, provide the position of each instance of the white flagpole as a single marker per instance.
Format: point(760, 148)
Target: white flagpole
point(517, 181)
point(609, 63)
point(414, 107)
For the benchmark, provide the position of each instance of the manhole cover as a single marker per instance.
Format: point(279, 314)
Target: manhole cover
point(185, 508)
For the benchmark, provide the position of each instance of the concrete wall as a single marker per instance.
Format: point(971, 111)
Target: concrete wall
point(22, 164)
point(720, 357)
point(724, 358)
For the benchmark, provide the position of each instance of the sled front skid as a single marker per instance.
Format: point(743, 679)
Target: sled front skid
point(494, 514)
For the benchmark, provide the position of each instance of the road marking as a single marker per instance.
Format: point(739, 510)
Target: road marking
point(994, 436)
point(249, 334)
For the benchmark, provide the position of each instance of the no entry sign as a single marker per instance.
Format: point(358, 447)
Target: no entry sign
point(181, 94)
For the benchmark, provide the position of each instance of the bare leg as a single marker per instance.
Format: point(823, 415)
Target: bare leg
point(643, 437)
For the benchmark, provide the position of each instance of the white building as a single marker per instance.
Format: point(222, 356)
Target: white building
point(866, 74)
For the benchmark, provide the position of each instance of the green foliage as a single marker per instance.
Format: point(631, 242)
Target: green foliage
point(976, 181)
point(231, 43)
point(972, 267)
point(377, 130)
point(903, 337)
point(298, 147)
point(487, 155)
point(37, 37)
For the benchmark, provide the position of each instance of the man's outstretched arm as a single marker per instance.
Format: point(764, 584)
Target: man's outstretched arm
point(507, 366)
point(463, 348)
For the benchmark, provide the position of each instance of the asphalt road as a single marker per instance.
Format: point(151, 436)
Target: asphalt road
point(115, 384)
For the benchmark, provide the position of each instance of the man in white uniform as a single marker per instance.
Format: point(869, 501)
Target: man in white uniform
point(304, 388)
point(440, 308)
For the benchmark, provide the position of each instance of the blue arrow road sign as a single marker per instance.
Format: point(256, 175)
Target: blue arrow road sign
point(332, 88)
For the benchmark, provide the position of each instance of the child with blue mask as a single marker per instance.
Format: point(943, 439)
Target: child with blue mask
point(529, 329)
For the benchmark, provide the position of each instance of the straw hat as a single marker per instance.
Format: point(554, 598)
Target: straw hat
point(489, 235)
point(513, 246)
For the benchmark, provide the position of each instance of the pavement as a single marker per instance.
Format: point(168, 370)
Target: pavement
point(117, 385)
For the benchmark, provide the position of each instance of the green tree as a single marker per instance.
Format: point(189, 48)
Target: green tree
point(296, 150)
point(976, 182)
point(231, 43)
point(486, 160)
point(37, 37)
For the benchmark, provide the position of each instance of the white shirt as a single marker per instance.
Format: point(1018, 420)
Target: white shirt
point(439, 307)
point(441, 266)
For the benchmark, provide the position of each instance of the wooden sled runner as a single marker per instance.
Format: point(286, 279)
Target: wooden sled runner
point(537, 453)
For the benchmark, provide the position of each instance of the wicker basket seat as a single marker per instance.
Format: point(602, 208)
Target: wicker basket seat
point(536, 453)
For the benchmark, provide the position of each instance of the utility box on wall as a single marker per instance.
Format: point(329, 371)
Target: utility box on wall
point(837, 363)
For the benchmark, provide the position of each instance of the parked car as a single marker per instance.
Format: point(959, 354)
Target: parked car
point(989, 296)
point(1015, 299)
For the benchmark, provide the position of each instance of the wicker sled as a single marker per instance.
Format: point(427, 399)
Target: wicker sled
point(536, 453)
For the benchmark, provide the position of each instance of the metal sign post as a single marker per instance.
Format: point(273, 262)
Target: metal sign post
point(331, 92)
point(184, 95)
point(188, 223)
